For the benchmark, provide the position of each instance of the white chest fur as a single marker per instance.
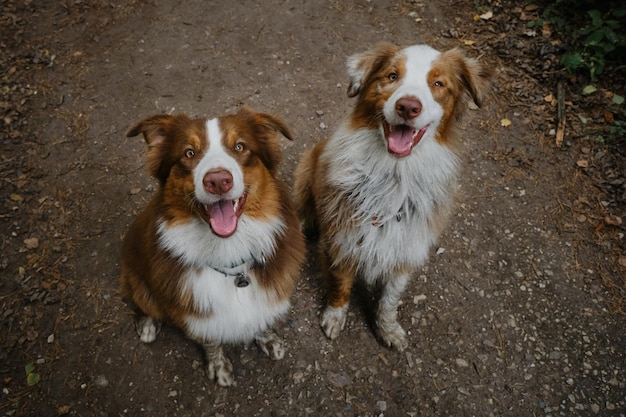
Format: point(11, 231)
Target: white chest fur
point(400, 196)
point(227, 313)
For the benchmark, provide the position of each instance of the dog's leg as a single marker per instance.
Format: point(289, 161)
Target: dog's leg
point(219, 367)
point(339, 283)
point(147, 328)
point(270, 344)
point(389, 330)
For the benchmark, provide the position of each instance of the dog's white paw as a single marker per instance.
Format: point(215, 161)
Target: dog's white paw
point(147, 329)
point(222, 372)
point(334, 320)
point(271, 345)
point(393, 335)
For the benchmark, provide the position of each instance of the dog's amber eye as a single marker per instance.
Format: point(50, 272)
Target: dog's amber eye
point(438, 84)
point(239, 147)
point(393, 76)
point(190, 153)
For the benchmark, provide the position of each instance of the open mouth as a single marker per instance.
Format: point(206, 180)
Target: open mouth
point(223, 216)
point(402, 138)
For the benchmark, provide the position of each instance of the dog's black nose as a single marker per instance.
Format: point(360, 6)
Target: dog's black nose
point(408, 107)
point(218, 181)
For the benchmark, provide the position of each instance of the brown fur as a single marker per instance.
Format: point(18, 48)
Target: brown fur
point(150, 277)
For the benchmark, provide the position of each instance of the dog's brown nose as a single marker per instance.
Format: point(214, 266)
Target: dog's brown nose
point(218, 181)
point(408, 108)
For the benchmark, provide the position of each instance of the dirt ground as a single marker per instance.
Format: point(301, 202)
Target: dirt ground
point(520, 311)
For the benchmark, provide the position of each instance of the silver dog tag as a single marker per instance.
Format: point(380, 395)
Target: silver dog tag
point(242, 281)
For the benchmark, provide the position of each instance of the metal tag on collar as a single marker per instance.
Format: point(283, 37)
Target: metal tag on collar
point(241, 280)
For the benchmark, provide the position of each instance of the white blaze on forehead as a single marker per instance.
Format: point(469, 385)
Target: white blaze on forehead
point(216, 157)
point(418, 60)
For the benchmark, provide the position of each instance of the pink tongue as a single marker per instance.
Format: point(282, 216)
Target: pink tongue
point(400, 140)
point(222, 218)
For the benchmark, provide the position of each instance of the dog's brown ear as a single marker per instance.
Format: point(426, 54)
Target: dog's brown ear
point(265, 128)
point(156, 130)
point(362, 65)
point(271, 123)
point(474, 76)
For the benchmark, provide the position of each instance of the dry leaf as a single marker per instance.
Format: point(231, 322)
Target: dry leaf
point(486, 16)
point(613, 220)
point(531, 7)
point(135, 190)
point(622, 262)
point(545, 30)
point(63, 410)
point(609, 117)
point(583, 163)
point(549, 98)
point(31, 243)
point(505, 122)
point(468, 42)
point(16, 197)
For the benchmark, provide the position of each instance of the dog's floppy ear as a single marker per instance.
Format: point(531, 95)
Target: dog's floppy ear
point(156, 130)
point(265, 128)
point(362, 65)
point(474, 76)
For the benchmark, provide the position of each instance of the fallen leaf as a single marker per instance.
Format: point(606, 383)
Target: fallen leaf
point(613, 220)
point(33, 379)
point(468, 42)
point(486, 16)
point(617, 99)
point(549, 98)
point(29, 368)
point(582, 218)
point(531, 7)
point(530, 33)
point(16, 197)
point(63, 410)
point(609, 117)
point(622, 262)
point(583, 119)
point(505, 122)
point(545, 30)
point(135, 190)
point(583, 163)
point(589, 89)
point(31, 243)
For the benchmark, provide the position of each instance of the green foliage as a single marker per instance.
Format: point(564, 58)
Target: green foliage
point(615, 133)
point(594, 37)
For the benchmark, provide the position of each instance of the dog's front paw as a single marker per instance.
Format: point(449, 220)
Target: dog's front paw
point(147, 329)
point(219, 367)
point(221, 371)
point(334, 320)
point(393, 335)
point(271, 345)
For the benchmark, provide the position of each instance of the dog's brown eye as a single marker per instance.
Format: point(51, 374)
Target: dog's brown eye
point(438, 84)
point(393, 76)
point(190, 153)
point(239, 147)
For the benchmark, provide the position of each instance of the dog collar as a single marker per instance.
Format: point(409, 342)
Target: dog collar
point(240, 271)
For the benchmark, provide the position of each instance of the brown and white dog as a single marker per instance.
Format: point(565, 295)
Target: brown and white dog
point(379, 190)
point(218, 249)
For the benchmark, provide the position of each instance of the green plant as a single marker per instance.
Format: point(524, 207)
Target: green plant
point(616, 132)
point(593, 37)
point(597, 41)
